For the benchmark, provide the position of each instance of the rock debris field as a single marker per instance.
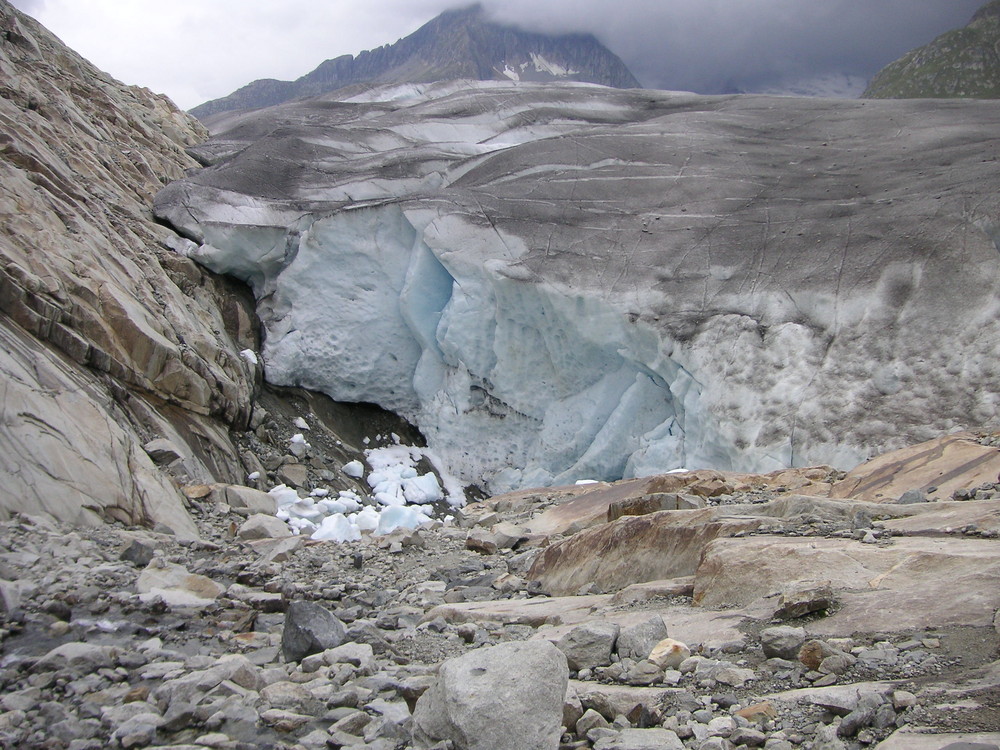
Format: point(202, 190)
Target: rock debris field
point(446, 636)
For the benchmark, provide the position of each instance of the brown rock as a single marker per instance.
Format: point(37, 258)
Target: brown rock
point(263, 526)
point(814, 652)
point(668, 653)
point(640, 506)
point(913, 583)
point(949, 463)
point(759, 713)
point(631, 550)
point(803, 598)
point(294, 475)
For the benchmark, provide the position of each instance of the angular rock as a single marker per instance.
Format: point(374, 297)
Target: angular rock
point(668, 653)
point(309, 629)
point(782, 641)
point(636, 642)
point(139, 553)
point(254, 501)
point(506, 697)
point(294, 475)
point(263, 526)
point(175, 585)
point(801, 599)
point(589, 645)
point(641, 739)
point(591, 719)
point(631, 550)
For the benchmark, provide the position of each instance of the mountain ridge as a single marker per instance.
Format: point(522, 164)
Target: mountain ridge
point(963, 63)
point(457, 44)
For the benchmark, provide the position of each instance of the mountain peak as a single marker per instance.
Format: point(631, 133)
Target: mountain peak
point(963, 63)
point(459, 43)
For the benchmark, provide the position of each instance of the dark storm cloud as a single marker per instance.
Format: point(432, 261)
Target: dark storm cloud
point(711, 46)
point(195, 50)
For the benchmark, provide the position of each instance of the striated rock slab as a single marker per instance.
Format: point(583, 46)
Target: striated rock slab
point(111, 338)
point(948, 463)
point(62, 450)
point(946, 518)
point(913, 583)
point(633, 549)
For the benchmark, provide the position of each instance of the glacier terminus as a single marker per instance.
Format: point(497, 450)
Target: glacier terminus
point(563, 281)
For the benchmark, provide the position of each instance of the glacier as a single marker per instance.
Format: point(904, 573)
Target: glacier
point(559, 282)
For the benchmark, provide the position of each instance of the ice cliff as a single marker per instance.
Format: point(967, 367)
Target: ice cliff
point(560, 281)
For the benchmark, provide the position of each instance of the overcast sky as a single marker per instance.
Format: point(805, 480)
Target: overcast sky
point(196, 50)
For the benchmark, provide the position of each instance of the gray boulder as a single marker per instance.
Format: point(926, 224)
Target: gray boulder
point(309, 629)
point(636, 642)
point(782, 642)
point(589, 645)
point(507, 697)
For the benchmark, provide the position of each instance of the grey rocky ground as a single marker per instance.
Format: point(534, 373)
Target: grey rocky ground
point(125, 637)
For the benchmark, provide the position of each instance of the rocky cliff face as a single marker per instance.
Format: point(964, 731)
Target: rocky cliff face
point(109, 337)
point(590, 283)
point(962, 63)
point(456, 44)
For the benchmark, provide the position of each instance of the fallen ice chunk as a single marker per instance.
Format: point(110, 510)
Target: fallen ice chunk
point(301, 525)
point(389, 499)
point(250, 356)
point(305, 508)
point(350, 499)
point(331, 506)
point(337, 528)
point(283, 495)
point(298, 438)
point(300, 423)
point(400, 517)
point(367, 519)
point(253, 476)
point(320, 492)
point(422, 489)
point(354, 469)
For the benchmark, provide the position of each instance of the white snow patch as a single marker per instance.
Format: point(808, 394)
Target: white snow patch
point(544, 66)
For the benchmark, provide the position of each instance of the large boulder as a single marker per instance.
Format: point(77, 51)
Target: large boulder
point(506, 697)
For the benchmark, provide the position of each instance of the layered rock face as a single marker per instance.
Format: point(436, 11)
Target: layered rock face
point(457, 44)
point(961, 63)
point(560, 282)
point(109, 337)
